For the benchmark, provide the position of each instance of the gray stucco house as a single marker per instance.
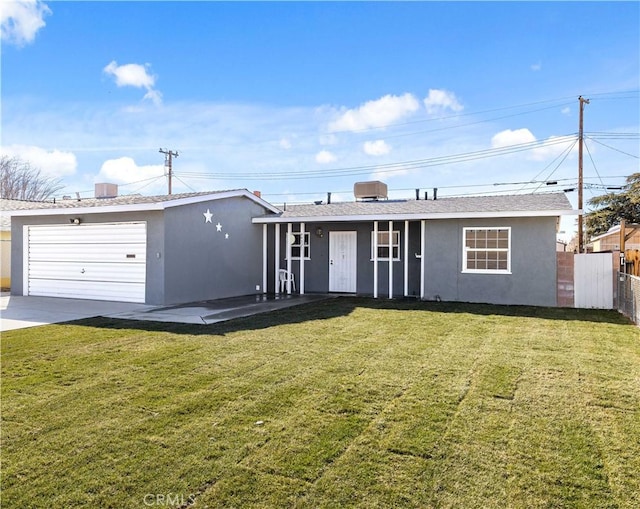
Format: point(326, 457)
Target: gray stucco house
point(492, 249)
point(148, 249)
point(191, 247)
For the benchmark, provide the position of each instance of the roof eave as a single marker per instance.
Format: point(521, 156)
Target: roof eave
point(414, 216)
point(143, 207)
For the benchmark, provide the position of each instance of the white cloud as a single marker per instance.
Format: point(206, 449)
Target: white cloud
point(155, 96)
point(508, 137)
point(385, 176)
point(438, 101)
point(566, 110)
point(325, 157)
point(135, 75)
point(124, 170)
point(551, 147)
point(20, 20)
point(378, 113)
point(536, 67)
point(376, 148)
point(53, 163)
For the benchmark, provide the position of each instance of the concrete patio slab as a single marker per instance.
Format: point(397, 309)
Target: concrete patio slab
point(18, 312)
point(215, 311)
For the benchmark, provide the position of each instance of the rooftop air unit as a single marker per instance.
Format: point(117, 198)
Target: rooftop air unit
point(106, 190)
point(373, 190)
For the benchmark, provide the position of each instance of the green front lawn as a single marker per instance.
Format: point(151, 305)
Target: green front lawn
point(342, 403)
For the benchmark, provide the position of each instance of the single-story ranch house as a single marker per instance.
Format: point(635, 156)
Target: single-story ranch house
point(149, 249)
point(202, 246)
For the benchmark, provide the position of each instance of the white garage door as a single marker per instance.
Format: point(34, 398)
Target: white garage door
point(87, 261)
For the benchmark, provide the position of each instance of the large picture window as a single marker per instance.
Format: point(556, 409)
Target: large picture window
point(384, 246)
point(487, 250)
point(300, 244)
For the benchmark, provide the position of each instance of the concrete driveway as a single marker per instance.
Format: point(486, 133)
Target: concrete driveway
point(21, 312)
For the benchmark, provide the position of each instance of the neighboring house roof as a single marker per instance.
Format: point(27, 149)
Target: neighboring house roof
point(610, 240)
point(614, 231)
point(8, 206)
point(521, 205)
point(136, 203)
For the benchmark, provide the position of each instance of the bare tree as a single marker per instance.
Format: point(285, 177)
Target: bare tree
point(21, 181)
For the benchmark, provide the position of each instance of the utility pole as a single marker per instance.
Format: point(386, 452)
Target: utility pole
point(580, 179)
point(168, 155)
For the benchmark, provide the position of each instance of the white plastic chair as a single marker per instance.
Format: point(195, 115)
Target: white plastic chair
point(285, 277)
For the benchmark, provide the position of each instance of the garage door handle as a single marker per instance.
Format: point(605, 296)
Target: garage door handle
point(82, 271)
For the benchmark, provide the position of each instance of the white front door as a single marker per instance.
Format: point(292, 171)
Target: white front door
point(343, 262)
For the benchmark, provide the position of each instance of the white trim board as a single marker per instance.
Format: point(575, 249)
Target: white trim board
point(414, 216)
point(141, 207)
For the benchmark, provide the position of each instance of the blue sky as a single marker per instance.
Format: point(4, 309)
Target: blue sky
point(297, 99)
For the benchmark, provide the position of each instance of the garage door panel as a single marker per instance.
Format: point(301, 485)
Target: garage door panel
point(124, 292)
point(134, 273)
point(104, 261)
point(87, 234)
point(88, 253)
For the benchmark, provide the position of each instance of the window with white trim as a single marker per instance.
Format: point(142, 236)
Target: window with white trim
point(300, 244)
point(487, 250)
point(384, 246)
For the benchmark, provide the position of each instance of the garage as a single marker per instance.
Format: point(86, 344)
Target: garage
point(99, 261)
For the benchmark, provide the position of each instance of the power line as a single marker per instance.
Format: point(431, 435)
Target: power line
point(389, 167)
point(613, 148)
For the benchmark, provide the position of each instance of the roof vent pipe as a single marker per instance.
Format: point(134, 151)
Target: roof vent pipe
point(328, 198)
point(435, 193)
point(417, 194)
point(426, 195)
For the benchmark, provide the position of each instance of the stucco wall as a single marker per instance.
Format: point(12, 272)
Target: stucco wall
point(202, 263)
point(533, 261)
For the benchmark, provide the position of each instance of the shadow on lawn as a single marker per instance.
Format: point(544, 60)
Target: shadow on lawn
point(343, 306)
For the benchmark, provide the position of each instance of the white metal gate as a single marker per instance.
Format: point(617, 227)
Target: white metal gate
point(343, 262)
point(105, 261)
point(593, 280)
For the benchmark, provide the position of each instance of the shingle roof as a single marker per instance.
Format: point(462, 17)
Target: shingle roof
point(530, 202)
point(122, 203)
point(522, 204)
point(131, 199)
point(9, 205)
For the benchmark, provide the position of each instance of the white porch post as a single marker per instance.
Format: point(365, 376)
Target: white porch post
point(406, 258)
point(375, 259)
point(277, 258)
point(288, 250)
point(301, 282)
point(422, 257)
point(391, 259)
point(264, 258)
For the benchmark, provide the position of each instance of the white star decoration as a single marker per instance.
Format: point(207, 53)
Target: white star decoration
point(208, 216)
